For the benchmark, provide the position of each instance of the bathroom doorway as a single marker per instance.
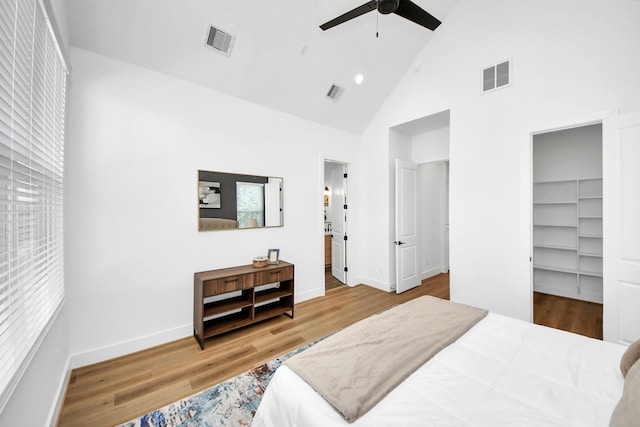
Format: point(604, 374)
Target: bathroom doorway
point(335, 223)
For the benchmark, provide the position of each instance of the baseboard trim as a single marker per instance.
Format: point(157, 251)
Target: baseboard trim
point(387, 287)
point(131, 346)
point(54, 412)
point(304, 296)
point(430, 273)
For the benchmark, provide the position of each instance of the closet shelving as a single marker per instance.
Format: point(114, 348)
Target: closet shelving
point(567, 238)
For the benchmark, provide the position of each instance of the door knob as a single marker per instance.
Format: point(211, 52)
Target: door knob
point(398, 243)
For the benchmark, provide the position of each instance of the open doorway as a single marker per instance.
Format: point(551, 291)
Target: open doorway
point(424, 143)
point(335, 224)
point(567, 228)
point(433, 208)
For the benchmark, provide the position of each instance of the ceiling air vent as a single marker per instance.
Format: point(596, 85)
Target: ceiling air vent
point(496, 76)
point(335, 92)
point(219, 40)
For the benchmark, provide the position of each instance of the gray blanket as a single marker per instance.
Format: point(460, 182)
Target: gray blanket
point(355, 368)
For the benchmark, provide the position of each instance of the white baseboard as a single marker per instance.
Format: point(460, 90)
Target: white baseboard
point(304, 296)
point(430, 273)
point(131, 346)
point(387, 287)
point(54, 412)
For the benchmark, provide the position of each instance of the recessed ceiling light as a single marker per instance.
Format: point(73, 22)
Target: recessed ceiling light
point(359, 78)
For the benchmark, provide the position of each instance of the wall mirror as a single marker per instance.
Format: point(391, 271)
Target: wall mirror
point(231, 201)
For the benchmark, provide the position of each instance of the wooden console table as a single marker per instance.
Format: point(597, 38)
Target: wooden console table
point(231, 298)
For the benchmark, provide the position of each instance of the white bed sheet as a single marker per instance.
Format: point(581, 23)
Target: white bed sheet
point(503, 372)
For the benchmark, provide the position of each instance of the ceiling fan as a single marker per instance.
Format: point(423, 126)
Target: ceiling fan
point(405, 8)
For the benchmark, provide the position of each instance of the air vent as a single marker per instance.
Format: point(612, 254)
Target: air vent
point(496, 76)
point(335, 92)
point(219, 40)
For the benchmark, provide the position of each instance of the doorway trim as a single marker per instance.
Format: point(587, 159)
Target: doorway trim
point(526, 199)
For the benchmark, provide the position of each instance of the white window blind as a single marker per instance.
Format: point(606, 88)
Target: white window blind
point(32, 112)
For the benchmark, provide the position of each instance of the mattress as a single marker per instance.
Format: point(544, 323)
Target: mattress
point(502, 372)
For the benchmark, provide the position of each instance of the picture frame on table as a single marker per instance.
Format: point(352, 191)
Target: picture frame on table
point(273, 256)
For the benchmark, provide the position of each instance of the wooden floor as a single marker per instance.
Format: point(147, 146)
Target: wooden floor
point(115, 391)
point(580, 317)
point(330, 282)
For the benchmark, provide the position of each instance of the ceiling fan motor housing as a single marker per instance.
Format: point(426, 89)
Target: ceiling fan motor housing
point(388, 6)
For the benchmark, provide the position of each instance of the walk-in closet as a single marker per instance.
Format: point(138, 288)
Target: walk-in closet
point(567, 213)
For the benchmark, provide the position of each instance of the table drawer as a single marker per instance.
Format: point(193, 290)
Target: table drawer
point(270, 276)
point(227, 284)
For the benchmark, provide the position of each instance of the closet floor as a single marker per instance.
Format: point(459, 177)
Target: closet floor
point(580, 317)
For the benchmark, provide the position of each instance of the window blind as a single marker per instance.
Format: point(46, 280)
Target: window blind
point(32, 115)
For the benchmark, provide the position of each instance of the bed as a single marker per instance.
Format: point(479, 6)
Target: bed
point(500, 372)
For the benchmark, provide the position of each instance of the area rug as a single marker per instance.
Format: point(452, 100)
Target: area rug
point(231, 403)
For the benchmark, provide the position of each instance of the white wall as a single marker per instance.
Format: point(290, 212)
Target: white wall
point(574, 153)
point(430, 150)
point(577, 59)
point(431, 212)
point(136, 139)
point(430, 146)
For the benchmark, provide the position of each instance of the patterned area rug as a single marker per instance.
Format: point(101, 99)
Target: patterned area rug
point(231, 403)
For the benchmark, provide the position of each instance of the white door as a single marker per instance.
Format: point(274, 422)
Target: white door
point(406, 236)
point(621, 228)
point(339, 225)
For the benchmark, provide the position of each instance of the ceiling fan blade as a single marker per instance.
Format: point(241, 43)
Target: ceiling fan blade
point(411, 11)
point(360, 10)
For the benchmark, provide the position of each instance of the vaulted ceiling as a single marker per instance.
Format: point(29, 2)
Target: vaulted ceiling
point(280, 57)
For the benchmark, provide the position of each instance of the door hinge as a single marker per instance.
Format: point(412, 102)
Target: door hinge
point(345, 207)
point(346, 269)
point(345, 175)
point(345, 237)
